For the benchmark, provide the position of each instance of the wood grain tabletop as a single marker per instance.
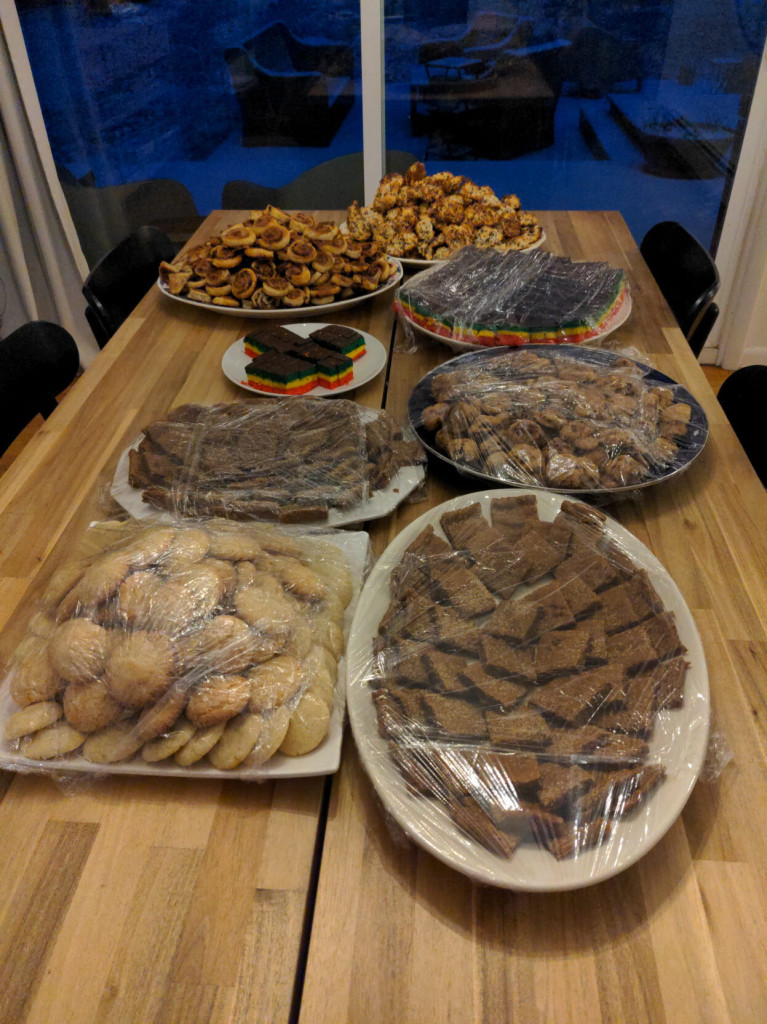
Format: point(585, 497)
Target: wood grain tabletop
point(154, 900)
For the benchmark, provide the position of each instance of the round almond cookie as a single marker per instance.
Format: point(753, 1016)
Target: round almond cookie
point(90, 706)
point(52, 741)
point(101, 579)
point(238, 739)
point(31, 677)
point(134, 598)
point(170, 743)
point(158, 719)
point(232, 542)
point(275, 682)
point(42, 625)
point(300, 640)
point(186, 597)
point(187, 547)
point(322, 685)
point(329, 635)
point(60, 584)
point(320, 657)
point(198, 745)
point(308, 726)
point(270, 614)
point(140, 668)
point(217, 699)
point(32, 718)
point(79, 649)
point(226, 643)
point(149, 547)
point(226, 572)
point(298, 579)
point(273, 733)
point(115, 743)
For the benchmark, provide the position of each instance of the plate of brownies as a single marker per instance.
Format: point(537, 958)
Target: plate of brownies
point(565, 418)
point(527, 690)
point(302, 359)
point(298, 460)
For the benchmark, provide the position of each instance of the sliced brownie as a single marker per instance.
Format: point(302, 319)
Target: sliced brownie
point(669, 684)
point(522, 729)
point(562, 651)
point(661, 629)
point(573, 699)
point(509, 515)
point(490, 689)
point(514, 619)
point(445, 670)
point(454, 717)
point(572, 838)
point(507, 661)
point(474, 821)
point(632, 648)
point(463, 590)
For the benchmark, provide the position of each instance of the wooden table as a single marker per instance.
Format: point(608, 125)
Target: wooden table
point(154, 901)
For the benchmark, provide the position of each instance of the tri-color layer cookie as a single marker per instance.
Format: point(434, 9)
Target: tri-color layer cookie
point(333, 369)
point(281, 374)
point(340, 339)
point(269, 338)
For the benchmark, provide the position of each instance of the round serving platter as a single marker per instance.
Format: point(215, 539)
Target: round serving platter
point(692, 444)
point(286, 313)
point(679, 739)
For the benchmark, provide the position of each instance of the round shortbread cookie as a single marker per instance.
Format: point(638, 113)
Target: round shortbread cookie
point(78, 650)
point(275, 682)
point(217, 699)
point(239, 738)
point(53, 741)
point(90, 706)
point(32, 718)
point(170, 743)
point(308, 726)
point(140, 668)
point(31, 678)
point(115, 743)
point(272, 735)
point(200, 744)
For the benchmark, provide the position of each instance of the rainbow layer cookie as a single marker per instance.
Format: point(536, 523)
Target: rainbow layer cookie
point(343, 340)
point(333, 369)
point(281, 374)
point(269, 338)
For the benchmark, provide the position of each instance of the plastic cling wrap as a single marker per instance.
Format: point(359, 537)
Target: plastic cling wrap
point(528, 690)
point(289, 460)
point(188, 648)
point(483, 297)
point(565, 418)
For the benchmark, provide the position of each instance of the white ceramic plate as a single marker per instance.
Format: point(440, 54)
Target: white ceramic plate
point(412, 264)
point(285, 313)
point(679, 739)
point(324, 760)
point(367, 367)
point(379, 504)
point(610, 325)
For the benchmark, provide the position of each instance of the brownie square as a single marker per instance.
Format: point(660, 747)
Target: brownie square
point(554, 610)
point(559, 784)
point(454, 717)
point(509, 515)
point(561, 651)
point(454, 633)
point(522, 729)
point(662, 633)
point(574, 699)
point(476, 823)
point(514, 619)
point(669, 683)
point(490, 689)
point(632, 648)
point(507, 661)
point(460, 525)
point(445, 670)
point(463, 590)
point(617, 610)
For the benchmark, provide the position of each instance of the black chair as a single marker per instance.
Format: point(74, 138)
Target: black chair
point(743, 396)
point(687, 276)
point(122, 278)
point(38, 361)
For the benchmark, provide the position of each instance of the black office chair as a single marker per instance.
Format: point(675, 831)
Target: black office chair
point(687, 276)
point(38, 361)
point(743, 396)
point(122, 278)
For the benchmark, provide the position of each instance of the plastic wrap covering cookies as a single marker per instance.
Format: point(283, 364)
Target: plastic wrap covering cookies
point(483, 297)
point(289, 460)
point(569, 419)
point(277, 261)
point(529, 692)
point(179, 646)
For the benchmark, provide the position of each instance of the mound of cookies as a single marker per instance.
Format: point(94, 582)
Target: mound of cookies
point(492, 298)
point(212, 641)
point(278, 260)
point(518, 673)
point(432, 216)
point(557, 420)
point(288, 460)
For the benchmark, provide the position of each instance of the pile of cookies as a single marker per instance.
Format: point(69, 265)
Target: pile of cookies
point(430, 217)
point(557, 421)
point(209, 639)
point(276, 260)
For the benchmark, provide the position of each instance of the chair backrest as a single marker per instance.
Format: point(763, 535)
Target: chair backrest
point(38, 361)
point(122, 277)
point(702, 329)
point(684, 271)
point(332, 185)
point(743, 396)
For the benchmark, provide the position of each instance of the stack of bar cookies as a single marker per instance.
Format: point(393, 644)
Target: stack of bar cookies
point(283, 362)
point(518, 671)
point(288, 460)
